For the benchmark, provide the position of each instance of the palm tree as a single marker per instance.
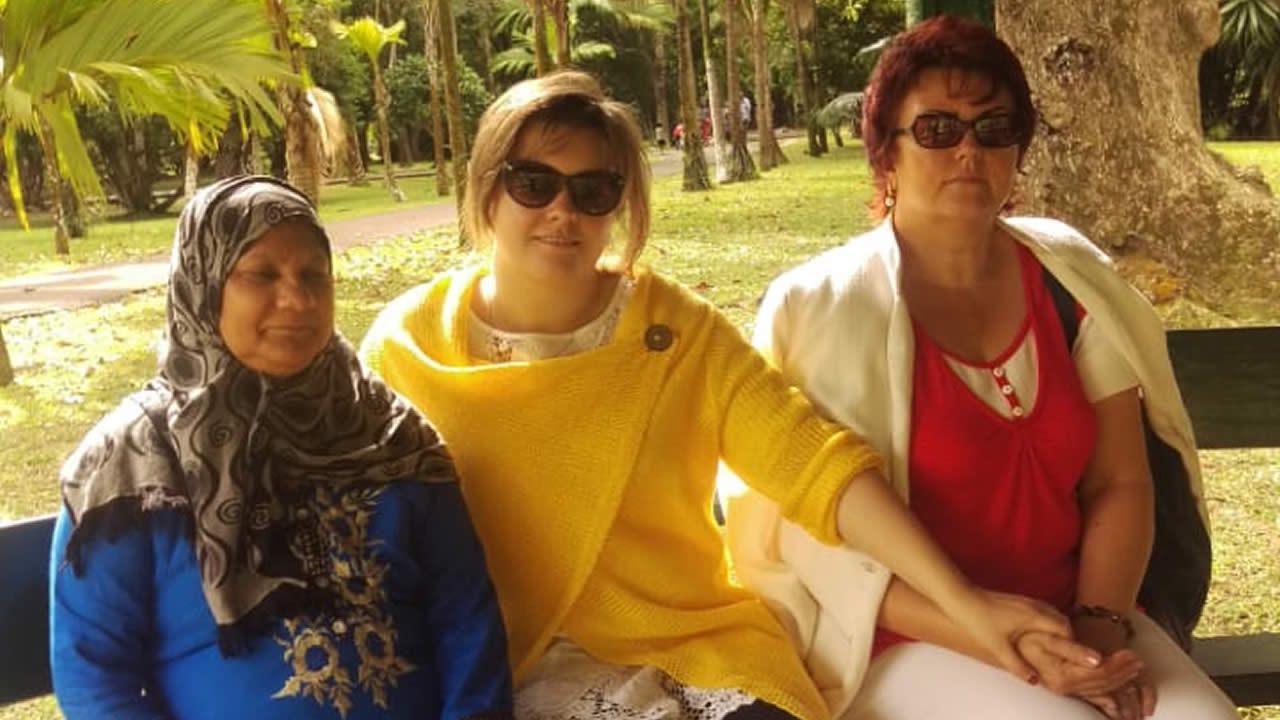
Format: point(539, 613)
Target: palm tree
point(741, 165)
point(431, 39)
point(714, 104)
point(370, 37)
point(800, 16)
point(1251, 42)
point(695, 163)
point(452, 99)
point(301, 134)
point(770, 153)
point(540, 55)
point(148, 56)
point(521, 58)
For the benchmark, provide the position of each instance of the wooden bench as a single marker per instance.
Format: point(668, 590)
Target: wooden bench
point(1230, 380)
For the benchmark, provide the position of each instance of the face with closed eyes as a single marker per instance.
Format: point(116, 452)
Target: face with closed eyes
point(277, 302)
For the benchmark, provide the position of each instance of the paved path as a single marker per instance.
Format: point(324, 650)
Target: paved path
point(36, 294)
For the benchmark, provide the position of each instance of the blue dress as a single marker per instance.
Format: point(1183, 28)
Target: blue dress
point(416, 632)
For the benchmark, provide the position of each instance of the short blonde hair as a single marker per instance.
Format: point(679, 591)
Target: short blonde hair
point(569, 99)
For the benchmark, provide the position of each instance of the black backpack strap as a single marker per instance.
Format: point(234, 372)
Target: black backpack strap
point(1066, 307)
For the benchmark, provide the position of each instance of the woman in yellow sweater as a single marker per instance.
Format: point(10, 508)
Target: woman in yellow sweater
point(587, 404)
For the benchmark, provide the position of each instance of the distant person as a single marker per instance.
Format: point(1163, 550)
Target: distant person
point(744, 110)
point(677, 136)
point(266, 531)
point(587, 402)
point(942, 335)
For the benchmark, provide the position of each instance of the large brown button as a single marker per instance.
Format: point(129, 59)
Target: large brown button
point(658, 337)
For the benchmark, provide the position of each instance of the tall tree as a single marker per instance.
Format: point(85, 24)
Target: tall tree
point(800, 14)
point(695, 163)
point(1119, 152)
point(453, 100)
point(663, 124)
point(302, 149)
point(148, 57)
point(771, 154)
point(715, 105)
point(741, 165)
point(431, 35)
point(370, 37)
point(542, 58)
point(560, 20)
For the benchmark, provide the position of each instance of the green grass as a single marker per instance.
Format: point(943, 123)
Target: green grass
point(73, 366)
point(113, 237)
point(1265, 155)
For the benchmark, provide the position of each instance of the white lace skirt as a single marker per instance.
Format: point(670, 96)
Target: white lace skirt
point(569, 684)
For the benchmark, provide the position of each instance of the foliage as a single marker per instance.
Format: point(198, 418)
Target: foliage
point(1240, 77)
point(151, 56)
point(475, 98)
point(410, 93)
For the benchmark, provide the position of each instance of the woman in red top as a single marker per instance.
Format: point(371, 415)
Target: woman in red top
point(936, 336)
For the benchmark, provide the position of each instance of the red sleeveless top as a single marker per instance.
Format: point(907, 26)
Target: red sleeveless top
point(999, 494)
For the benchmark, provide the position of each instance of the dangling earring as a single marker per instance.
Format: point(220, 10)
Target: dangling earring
point(890, 197)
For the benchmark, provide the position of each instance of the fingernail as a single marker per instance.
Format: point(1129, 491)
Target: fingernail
point(1033, 679)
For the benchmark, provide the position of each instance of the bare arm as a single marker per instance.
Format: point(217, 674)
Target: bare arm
point(1116, 501)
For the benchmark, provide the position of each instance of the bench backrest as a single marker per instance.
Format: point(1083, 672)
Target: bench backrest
point(24, 608)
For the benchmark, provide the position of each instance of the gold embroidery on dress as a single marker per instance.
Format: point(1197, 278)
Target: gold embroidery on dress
point(312, 643)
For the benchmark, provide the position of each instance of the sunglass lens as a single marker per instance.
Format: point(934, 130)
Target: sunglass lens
point(996, 131)
point(532, 187)
point(937, 130)
point(595, 193)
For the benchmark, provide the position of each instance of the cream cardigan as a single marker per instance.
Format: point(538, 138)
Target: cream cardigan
point(838, 328)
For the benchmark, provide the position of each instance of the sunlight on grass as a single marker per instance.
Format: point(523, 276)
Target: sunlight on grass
point(727, 244)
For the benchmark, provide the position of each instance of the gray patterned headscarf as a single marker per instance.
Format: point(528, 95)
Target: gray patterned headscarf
point(251, 448)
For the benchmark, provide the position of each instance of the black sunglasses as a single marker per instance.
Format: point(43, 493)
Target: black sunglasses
point(938, 130)
point(534, 185)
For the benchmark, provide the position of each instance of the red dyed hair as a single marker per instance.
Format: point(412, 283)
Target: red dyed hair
point(946, 42)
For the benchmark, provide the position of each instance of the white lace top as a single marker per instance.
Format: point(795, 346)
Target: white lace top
point(567, 683)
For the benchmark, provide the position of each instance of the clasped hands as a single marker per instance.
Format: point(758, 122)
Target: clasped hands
point(1096, 665)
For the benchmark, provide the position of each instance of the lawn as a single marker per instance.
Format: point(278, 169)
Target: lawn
point(114, 237)
point(73, 366)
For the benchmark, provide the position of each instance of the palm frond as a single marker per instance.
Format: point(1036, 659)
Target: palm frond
point(589, 50)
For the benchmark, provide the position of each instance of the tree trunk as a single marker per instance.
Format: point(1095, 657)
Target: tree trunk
point(714, 104)
point(541, 57)
point(453, 101)
point(380, 102)
point(663, 127)
point(53, 184)
point(741, 165)
point(190, 172)
point(355, 158)
point(1119, 151)
point(770, 153)
point(6, 367)
point(799, 19)
point(229, 158)
point(431, 23)
point(301, 138)
point(695, 163)
point(560, 16)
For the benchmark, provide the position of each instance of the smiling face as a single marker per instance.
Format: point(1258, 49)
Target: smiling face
point(277, 302)
point(964, 182)
point(556, 243)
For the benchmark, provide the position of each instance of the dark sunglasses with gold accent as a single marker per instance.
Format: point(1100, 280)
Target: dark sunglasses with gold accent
point(534, 185)
point(939, 130)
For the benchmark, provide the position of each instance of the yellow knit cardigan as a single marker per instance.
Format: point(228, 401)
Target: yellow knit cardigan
point(589, 479)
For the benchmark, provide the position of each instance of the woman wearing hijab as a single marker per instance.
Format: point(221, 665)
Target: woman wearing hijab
point(265, 528)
